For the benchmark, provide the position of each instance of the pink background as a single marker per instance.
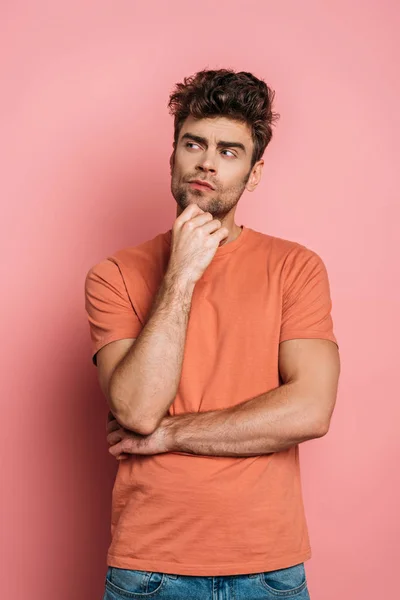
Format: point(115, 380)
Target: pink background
point(85, 142)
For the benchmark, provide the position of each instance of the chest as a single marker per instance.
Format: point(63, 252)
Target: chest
point(240, 307)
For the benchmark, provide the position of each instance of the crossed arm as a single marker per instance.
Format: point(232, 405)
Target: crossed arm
point(292, 413)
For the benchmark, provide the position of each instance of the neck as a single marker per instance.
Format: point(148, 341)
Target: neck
point(234, 232)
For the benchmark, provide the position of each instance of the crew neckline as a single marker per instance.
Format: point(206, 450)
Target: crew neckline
point(221, 250)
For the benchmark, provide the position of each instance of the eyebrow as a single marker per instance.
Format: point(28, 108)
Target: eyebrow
point(220, 144)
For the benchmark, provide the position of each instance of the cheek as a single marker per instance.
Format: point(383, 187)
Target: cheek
point(176, 170)
point(230, 177)
point(184, 162)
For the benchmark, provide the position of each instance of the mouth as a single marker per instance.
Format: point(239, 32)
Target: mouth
point(201, 185)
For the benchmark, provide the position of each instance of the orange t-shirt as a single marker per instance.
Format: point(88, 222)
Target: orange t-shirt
point(214, 515)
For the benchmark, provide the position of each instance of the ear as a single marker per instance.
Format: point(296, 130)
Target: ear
point(255, 176)
point(171, 161)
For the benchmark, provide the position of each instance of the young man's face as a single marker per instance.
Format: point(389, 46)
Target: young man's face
point(217, 151)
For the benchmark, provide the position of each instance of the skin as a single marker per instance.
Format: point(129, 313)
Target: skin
point(123, 442)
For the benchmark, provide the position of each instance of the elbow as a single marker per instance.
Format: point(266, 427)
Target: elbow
point(320, 428)
point(127, 418)
point(130, 414)
point(144, 425)
point(132, 422)
point(136, 425)
point(122, 408)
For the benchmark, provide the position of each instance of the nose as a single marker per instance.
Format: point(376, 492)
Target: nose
point(207, 163)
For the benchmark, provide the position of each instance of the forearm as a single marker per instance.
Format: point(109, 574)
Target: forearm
point(271, 422)
point(145, 382)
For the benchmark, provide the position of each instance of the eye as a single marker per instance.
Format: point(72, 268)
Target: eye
point(230, 151)
point(191, 144)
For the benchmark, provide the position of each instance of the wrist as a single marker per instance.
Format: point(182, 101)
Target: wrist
point(178, 282)
point(170, 429)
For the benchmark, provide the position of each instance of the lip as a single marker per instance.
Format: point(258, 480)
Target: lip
point(202, 183)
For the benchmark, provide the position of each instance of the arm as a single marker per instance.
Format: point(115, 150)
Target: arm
point(297, 411)
point(148, 374)
point(140, 377)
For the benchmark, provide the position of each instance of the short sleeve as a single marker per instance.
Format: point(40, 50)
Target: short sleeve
point(306, 303)
point(109, 310)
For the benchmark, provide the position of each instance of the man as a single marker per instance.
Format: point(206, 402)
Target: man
point(215, 350)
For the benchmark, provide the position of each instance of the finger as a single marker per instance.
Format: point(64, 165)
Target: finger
point(112, 426)
point(188, 213)
point(200, 220)
point(114, 437)
point(123, 456)
point(220, 234)
point(117, 449)
point(110, 418)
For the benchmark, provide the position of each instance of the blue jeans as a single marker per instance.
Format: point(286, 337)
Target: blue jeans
point(269, 585)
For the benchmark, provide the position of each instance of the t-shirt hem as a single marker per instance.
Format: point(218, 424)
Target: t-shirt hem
point(213, 570)
point(304, 334)
point(116, 336)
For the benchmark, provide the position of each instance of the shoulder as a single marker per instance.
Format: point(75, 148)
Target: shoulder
point(283, 252)
point(147, 252)
point(141, 259)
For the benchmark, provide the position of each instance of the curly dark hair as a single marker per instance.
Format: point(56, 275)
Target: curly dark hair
point(239, 96)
